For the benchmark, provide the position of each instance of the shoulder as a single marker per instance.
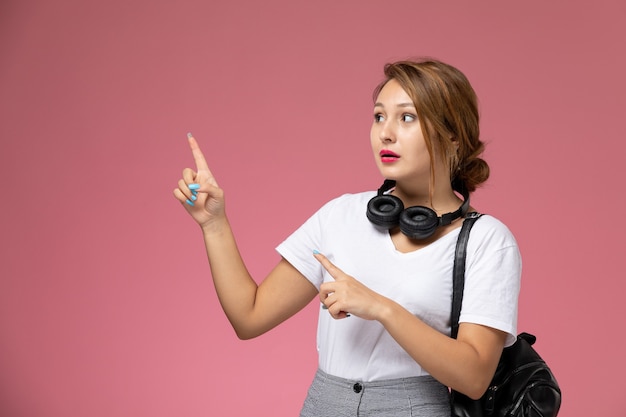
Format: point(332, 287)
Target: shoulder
point(347, 202)
point(353, 198)
point(490, 226)
point(340, 211)
point(489, 229)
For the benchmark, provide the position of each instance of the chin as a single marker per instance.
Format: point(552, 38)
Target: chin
point(389, 174)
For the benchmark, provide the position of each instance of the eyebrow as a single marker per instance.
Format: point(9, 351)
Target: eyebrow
point(409, 104)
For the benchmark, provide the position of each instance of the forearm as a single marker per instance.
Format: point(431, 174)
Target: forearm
point(455, 363)
point(236, 290)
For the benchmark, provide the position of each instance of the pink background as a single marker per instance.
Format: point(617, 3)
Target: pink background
point(106, 302)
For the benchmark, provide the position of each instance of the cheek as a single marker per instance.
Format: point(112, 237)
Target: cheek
point(374, 137)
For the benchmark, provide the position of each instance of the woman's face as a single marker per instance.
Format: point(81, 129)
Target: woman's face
point(398, 144)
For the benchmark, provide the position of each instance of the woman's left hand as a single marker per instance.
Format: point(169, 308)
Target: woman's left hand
point(346, 296)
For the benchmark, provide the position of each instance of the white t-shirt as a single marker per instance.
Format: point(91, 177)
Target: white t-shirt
point(420, 281)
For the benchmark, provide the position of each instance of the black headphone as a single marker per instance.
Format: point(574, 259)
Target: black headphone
point(416, 222)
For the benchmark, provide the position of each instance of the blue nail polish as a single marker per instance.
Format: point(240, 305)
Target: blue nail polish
point(316, 252)
point(324, 307)
point(194, 192)
point(189, 135)
point(194, 186)
point(193, 197)
point(189, 202)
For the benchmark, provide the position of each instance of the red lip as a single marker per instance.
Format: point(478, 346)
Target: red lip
point(388, 156)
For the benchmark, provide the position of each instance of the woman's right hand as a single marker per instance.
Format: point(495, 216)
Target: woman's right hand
point(198, 191)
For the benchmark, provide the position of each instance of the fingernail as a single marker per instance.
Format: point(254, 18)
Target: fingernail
point(193, 197)
point(194, 186)
point(324, 307)
point(189, 202)
point(316, 252)
point(348, 314)
point(194, 192)
point(189, 135)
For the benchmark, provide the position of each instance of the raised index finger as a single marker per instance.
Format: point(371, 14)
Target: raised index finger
point(198, 156)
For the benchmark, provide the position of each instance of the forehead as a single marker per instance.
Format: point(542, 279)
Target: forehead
point(392, 94)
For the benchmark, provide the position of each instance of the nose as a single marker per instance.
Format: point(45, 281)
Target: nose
point(386, 133)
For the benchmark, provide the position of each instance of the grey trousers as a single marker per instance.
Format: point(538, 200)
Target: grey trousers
point(331, 396)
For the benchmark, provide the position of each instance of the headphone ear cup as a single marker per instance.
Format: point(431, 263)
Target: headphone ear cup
point(384, 210)
point(418, 222)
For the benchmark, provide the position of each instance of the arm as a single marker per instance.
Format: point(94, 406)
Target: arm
point(465, 364)
point(251, 309)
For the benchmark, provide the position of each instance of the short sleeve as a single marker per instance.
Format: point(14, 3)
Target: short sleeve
point(298, 248)
point(492, 280)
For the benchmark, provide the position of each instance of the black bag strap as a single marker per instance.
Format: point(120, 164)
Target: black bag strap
point(458, 276)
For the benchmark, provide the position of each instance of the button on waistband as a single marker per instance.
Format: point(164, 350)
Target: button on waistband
point(357, 387)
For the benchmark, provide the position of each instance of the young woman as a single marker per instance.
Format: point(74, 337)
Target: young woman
point(383, 278)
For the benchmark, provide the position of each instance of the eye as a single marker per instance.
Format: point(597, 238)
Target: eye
point(378, 118)
point(407, 117)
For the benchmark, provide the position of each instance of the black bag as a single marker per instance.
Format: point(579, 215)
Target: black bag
point(523, 385)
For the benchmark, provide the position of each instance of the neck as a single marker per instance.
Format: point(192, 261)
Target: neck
point(442, 200)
